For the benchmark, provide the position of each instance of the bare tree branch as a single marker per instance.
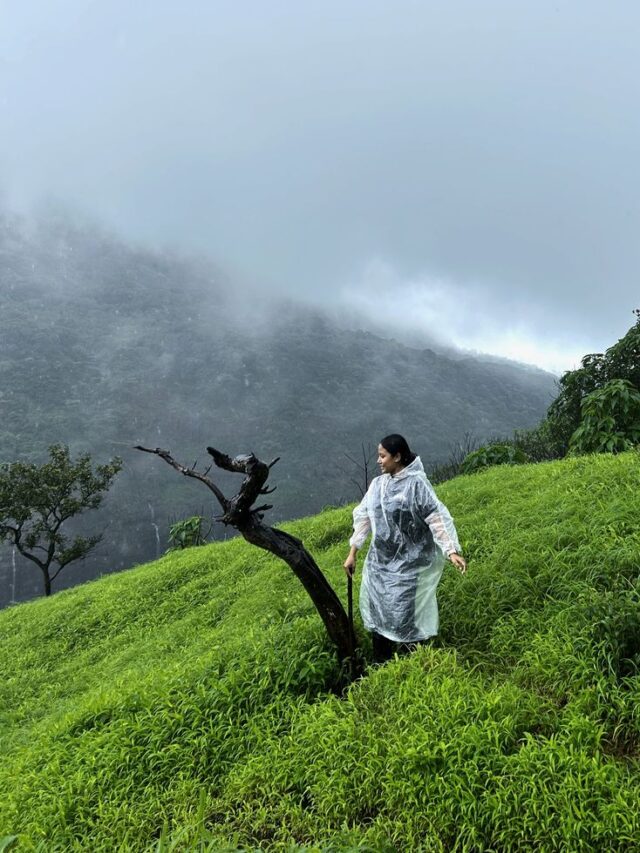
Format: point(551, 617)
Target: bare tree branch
point(226, 462)
point(262, 508)
point(367, 453)
point(188, 472)
point(31, 557)
point(256, 474)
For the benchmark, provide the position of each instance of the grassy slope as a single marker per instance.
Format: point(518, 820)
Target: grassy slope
point(193, 691)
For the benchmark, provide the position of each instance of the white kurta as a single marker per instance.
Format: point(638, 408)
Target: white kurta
point(411, 534)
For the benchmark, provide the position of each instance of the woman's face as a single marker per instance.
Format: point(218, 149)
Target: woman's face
point(388, 464)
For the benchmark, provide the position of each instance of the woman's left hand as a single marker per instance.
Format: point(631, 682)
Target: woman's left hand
point(459, 562)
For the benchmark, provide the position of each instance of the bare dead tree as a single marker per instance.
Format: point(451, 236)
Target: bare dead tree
point(363, 466)
point(458, 451)
point(240, 513)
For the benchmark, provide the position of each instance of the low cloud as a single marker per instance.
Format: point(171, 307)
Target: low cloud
point(477, 161)
point(429, 310)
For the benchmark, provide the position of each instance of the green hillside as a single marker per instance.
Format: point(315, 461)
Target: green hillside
point(189, 701)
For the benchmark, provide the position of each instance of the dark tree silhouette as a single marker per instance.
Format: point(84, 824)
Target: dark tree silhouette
point(240, 513)
point(363, 468)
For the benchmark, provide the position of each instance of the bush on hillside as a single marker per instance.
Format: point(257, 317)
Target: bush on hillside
point(610, 420)
point(539, 444)
point(620, 361)
point(187, 533)
point(493, 454)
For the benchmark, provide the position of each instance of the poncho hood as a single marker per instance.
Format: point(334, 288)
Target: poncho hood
point(413, 469)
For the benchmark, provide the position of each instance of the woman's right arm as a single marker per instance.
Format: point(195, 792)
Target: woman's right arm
point(350, 563)
point(443, 530)
point(361, 529)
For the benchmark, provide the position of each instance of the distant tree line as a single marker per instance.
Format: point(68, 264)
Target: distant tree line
point(596, 411)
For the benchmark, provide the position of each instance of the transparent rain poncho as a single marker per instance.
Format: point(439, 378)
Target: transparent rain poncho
point(411, 534)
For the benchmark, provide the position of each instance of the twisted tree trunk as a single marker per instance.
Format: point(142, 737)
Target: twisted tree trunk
point(239, 512)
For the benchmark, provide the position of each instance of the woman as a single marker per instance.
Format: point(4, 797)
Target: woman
point(412, 534)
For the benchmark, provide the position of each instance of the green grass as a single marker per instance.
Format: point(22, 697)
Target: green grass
point(190, 704)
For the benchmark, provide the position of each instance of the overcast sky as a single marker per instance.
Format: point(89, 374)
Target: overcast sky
point(467, 168)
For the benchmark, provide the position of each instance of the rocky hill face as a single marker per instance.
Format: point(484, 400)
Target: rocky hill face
point(104, 346)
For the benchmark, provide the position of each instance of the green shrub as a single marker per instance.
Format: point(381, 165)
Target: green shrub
point(187, 533)
point(610, 420)
point(493, 454)
point(539, 444)
point(620, 361)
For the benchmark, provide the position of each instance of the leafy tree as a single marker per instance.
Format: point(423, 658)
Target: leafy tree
point(493, 454)
point(37, 500)
point(593, 412)
point(610, 420)
point(620, 361)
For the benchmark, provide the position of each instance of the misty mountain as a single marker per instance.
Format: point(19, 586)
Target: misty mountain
point(104, 345)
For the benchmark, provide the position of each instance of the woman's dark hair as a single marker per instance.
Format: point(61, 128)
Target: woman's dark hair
point(394, 444)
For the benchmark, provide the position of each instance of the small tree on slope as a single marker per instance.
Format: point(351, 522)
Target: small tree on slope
point(36, 501)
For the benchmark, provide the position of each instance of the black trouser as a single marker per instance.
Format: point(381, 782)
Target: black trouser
point(384, 648)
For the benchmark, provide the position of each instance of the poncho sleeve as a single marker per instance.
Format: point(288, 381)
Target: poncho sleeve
point(438, 517)
point(361, 523)
point(443, 530)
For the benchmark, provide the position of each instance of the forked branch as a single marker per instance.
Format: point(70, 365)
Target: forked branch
point(188, 472)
